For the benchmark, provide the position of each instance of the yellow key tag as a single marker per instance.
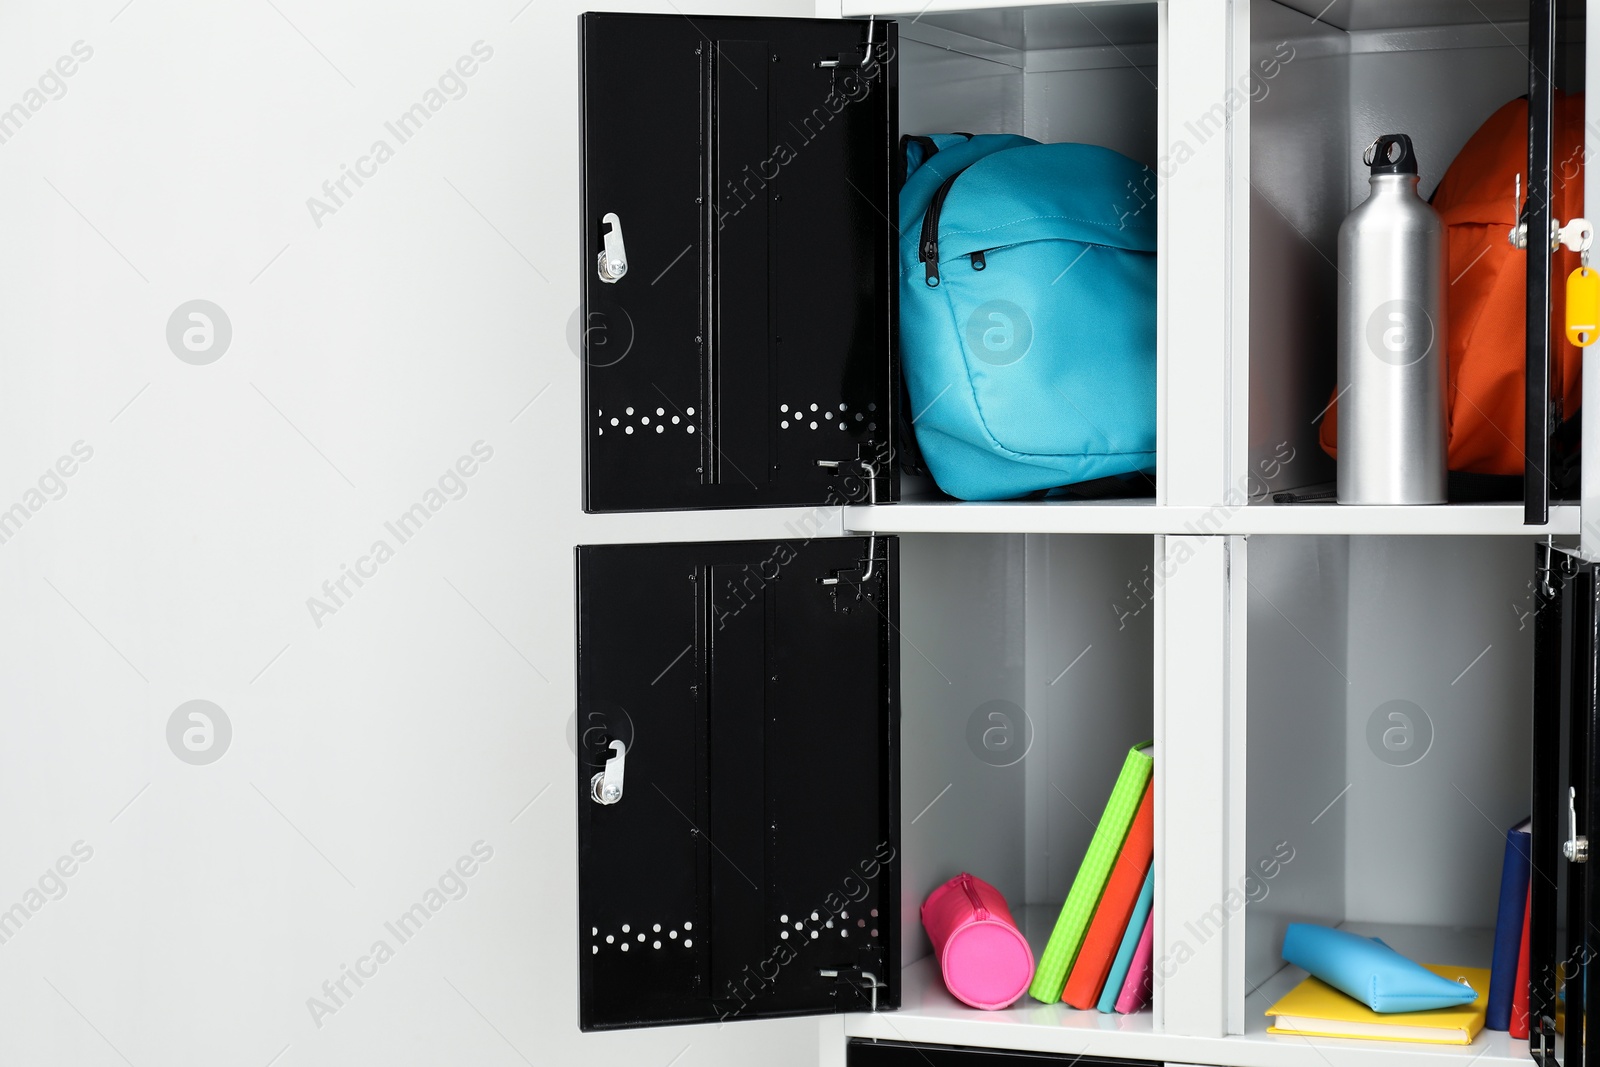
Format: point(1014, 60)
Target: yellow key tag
point(1583, 306)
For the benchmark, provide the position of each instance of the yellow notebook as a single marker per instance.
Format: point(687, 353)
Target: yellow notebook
point(1315, 1009)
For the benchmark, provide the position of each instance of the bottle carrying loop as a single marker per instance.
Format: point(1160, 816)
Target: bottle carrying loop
point(1390, 153)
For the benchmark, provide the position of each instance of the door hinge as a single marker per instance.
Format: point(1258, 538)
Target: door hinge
point(858, 978)
point(1542, 1046)
point(854, 578)
point(1554, 566)
point(852, 60)
point(864, 467)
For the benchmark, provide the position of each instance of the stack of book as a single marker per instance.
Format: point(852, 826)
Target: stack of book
point(1508, 973)
point(1099, 954)
point(1315, 1009)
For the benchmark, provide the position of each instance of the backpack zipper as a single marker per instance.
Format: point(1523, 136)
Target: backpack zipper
point(981, 912)
point(928, 247)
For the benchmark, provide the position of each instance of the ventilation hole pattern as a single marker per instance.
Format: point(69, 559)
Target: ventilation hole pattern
point(817, 416)
point(621, 938)
point(812, 926)
point(632, 421)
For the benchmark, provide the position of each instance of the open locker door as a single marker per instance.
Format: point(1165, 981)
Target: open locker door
point(1566, 639)
point(1589, 503)
point(738, 780)
point(1566, 803)
point(1537, 219)
point(738, 261)
point(1554, 206)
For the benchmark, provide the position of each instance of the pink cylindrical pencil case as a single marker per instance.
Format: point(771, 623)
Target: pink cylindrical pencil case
point(985, 960)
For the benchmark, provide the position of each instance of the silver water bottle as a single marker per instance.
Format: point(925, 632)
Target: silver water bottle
point(1392, 355)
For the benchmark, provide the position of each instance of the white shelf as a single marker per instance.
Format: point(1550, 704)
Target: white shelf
point(730, 524)
point(912, 11)
point(1470, 947)
point(1355, 15)
point(1146, 517)
point(930, 1014)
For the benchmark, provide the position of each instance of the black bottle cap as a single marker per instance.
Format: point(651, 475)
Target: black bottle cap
point(1391, 153)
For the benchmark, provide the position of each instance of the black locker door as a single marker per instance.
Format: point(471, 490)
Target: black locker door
point(1566, 803)
point(745, 698)
point(1555, 61)
point(1537, 218)
point(743, 358)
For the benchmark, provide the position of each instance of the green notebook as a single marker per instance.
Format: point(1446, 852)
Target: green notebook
point(1062, 950)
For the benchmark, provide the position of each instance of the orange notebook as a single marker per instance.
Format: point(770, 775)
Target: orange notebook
point(1116, 904)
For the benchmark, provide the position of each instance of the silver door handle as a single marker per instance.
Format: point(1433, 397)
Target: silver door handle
point(1576, 846)
point(614, 259)
point(606, 786)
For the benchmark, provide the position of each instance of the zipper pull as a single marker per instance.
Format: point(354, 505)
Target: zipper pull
point(978, 261)
point(928, 247)
point(979, 911)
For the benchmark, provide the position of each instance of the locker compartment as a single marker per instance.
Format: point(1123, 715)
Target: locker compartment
point(1327, 80)
point(1055, 73)
point(747, 356)
point(1027, 673)
point(1389, 748)
point(894, 1054)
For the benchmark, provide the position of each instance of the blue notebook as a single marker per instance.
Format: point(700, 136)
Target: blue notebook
point(1508, 925)
point(1130, 941)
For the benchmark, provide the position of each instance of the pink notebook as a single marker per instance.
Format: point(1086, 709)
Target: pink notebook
point(1136, 987)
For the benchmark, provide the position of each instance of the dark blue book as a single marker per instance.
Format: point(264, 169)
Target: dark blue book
point(1514, 875)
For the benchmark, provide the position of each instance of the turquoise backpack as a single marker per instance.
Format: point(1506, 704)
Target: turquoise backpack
point(1027, 312)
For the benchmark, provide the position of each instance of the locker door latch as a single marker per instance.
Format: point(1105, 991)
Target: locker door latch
point(606, 786)
point(614, 259)
point(1576, 846)
point(1577, 235)
point(1519, 230)
point(866, 979)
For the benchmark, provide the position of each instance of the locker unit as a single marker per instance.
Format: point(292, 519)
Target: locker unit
point(1342, 697)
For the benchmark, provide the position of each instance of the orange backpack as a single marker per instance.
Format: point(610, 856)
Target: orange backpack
point(1486, 296)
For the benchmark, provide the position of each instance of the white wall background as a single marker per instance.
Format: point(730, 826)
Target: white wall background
point(369, 753)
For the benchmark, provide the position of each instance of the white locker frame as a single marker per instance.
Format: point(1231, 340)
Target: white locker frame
point(1198, 223)
point(1201, 609)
